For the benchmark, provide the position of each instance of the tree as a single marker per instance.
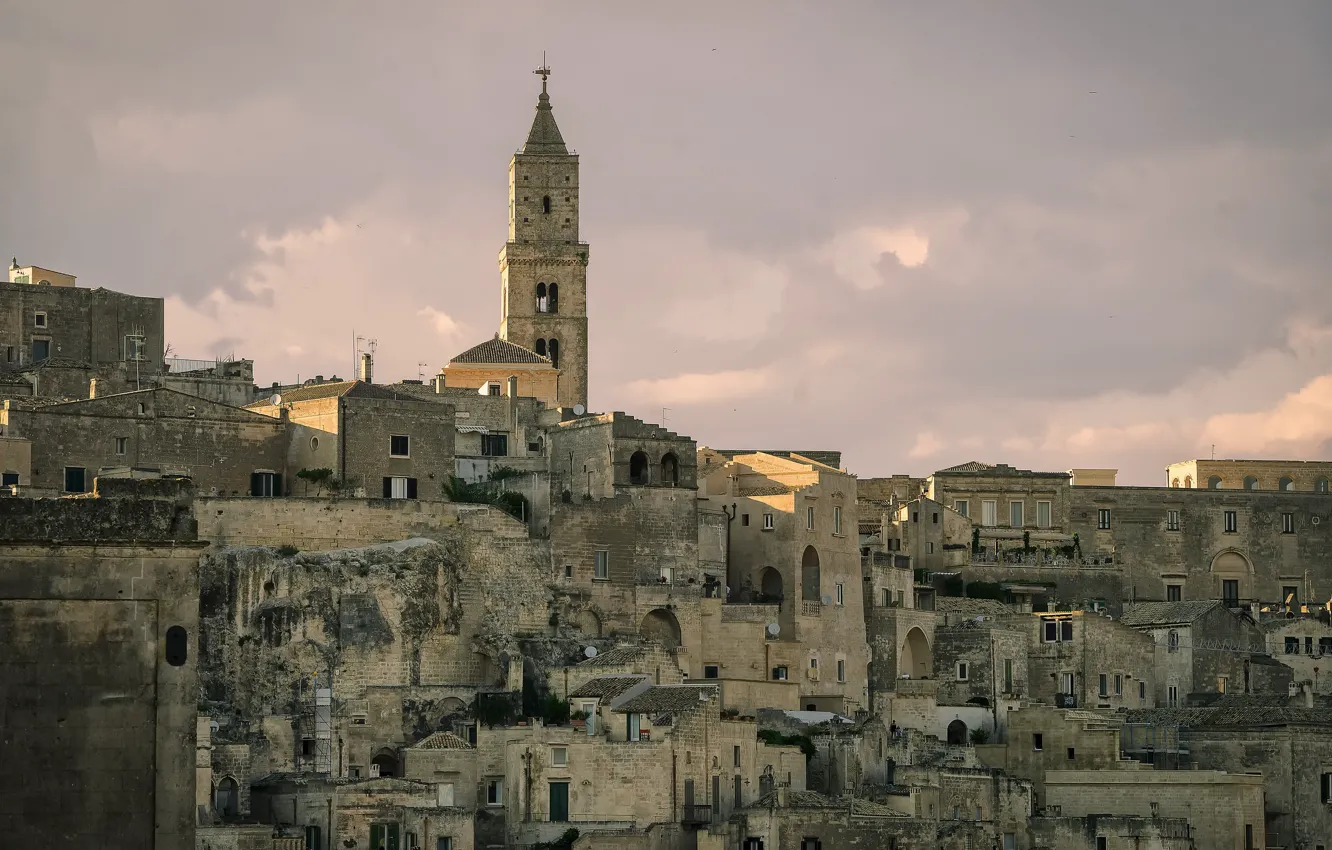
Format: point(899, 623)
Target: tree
point(321, 477)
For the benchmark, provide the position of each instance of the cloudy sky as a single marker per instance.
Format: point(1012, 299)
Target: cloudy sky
point(1048, 234)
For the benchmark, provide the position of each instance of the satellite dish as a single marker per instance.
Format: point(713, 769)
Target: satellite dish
point(275, 399)
point(774, 629)
point(827, 600)
point(579, 410)
point(590, 652)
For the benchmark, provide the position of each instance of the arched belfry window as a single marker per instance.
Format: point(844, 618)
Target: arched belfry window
point(553, 301)
point(638, 468)
point(670, 470)
point(541, 347)
point(541, 298)
point(553, 352)
point(545, 205)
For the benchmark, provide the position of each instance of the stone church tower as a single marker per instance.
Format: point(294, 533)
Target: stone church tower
point(543, 266)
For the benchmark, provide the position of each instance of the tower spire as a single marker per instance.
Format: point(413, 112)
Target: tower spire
point(544, 138)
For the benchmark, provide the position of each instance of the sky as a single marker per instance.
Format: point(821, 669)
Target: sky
point(1054, 235)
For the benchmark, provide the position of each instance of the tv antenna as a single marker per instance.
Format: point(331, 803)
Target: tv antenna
point(420, 371)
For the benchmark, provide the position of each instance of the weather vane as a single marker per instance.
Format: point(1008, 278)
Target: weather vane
point(544, 70)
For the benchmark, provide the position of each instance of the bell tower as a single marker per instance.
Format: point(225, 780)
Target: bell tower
point(543, 266)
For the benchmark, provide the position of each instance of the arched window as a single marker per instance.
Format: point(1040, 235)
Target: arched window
point(387, 762)
point(1174, 482)
point(1172, 641)
point(1286, 483)
point(542, 304)
point(1214, 483)
point(545, 205)
point(553, 351)
point(226, 800)
point(670, 470)
point(1188, 482)
point(541, 347)
point(553, 304)
point(1320, 486)
point(1250, 483)
point(638, 468)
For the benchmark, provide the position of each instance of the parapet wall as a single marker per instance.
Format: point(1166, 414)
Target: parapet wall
point(118, 511)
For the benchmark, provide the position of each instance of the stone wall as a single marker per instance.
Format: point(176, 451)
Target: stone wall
point(1140, 833)
point(82, 325)
point(367, 425)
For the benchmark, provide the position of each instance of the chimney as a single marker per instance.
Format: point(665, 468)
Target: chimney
point(513, 386)
point(367, 368)
point(440, 382)
point(1308, 694)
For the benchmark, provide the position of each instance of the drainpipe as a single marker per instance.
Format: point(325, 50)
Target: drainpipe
point(730, 518)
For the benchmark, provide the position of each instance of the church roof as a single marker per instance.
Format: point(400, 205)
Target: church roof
point(499, 351)
point(544, 137)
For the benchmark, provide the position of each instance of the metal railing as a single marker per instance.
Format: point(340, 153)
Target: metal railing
point(697, 814)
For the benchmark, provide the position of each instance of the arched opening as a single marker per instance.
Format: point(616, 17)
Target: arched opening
point(545, 205)
point(1286, 483)
point(915, 658)
point(1250, 483)
point(1231, 572)
point(661, 627)
point(387, 761)
point(1214, 483)
point(809, 575)
point(638, 468)
point(553, 301)
point(670, 470)
point(541, 347)
point(957, 733)
point(1174, 482)
point(553, 351)
point(226, 800)
point(588, 624)
point(541, 298)
point(1172, 641)
point(1320, 486)
point(770, 583)
point(1188, 482)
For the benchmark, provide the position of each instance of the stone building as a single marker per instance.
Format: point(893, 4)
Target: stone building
point(1204, 647)
point(1083, 660)
point(984, 665)
point(1304, 644)
point(794, 540)
point(224, 450)
point(1284, 475)
point(1112, 832)
point(98, 682)
point(486, 369)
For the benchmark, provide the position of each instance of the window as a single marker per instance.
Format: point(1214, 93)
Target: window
point(121, 444)
point(397, 487)
point(1230, 592)
point(554, 346)
point(559, 756)
point(1104, 689)
point(542, 305)
point(768, 523)
point(887, 597)
point(1103, 518)
point(1008, 675)
point(1051, 631)
point(666, 575)
point(837, 519)
point(989, 508)
point(494, 792)
point(838, 594)
point(1286, 483)
point(809, 517)
point(1308, 646)
point(568, 570)
point(1232, 522)
point(1142, 691)
point(76, 479)
point(1101, 842)
point(495, 445)
point(1221, 684)
point(493, 388)
point(41, 350)
point(39, 320)
point(1072, 753)
point(1042, 514)
point(935, 516)
point(1248, 831)
point(744, 519)
point(1290, 595)
point(545, 205)
point(1066, 630)
point(445, 843)
point(398, 446)
point(1119, 685)
point(265, 485)
point(841, 670)
point(1065, 683)
point(1172, 520)
point(1174, 592)
point(811, 844)
point(1010, 841)
point(813, 662)
point(961, 671)
point(1327, 788)
point(735, 756)
point(1172, 695)
point(1320, 486)
point(1325, 646)
point(601, 570)
point(929, 547)
point(1172, 641)
point(633, 726)
point(901, 598)
point(962, 507)
point(143, 408)
point(1037, 741)
point(779, 673)
point(9, 479)
point(1288, 523)
point(1292, 646)
point(1015, 514)
point(711, 671)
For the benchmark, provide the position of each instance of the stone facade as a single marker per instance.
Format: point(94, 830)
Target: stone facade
point(1285, 475)
point(1095, 660)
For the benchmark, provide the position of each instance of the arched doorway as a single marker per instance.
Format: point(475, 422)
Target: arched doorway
point(1214, 483)
point(660, 626)
point(770, 583)
point(387, 762)
point(638, 468)
point(670, 470)
point(588, 624)
point(1232, 573)
point(809, 575)
point(226, 800)
point(915, 660)
point(957, 733)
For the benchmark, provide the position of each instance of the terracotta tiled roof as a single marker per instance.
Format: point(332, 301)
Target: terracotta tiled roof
point(499, 351)
point(332, 389)
point(616, 657)
point(442, 741)
point(975, 467)
point(605, 687)
point(1167, 613)
point(668, 698)
point(815, 800)
point(767, 490)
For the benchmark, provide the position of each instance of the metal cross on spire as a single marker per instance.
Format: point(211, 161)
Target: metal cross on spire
point(544, 71)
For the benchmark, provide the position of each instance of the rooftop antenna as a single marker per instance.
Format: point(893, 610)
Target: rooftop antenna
point(663, 415)
point(420, 371)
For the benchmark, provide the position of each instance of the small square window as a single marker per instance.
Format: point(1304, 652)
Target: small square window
point(39, 320)
point(711, 671)
point(962, 507)
point(559, 756)
point(398, 446)
point(75, 479)
point(779, 673)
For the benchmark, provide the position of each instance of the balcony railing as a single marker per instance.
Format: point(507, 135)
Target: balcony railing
point(1040, 559)
point(810, 609)
point(697, 814)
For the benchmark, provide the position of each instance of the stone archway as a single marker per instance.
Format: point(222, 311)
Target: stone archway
point(809, 575)
point(588, 623)
point(1232, 566)
point(770, 584)
point(915, 660)
point(957, 733)
point(661, 627)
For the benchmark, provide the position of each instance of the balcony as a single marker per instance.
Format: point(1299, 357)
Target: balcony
point(697, 815)
point(1039, 559)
